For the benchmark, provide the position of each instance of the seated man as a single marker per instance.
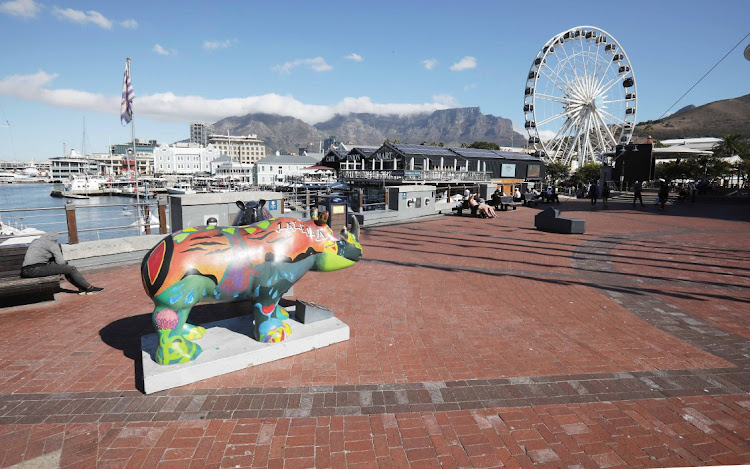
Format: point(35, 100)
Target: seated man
point(517, 196)
point(44, 258)
point(496, 197)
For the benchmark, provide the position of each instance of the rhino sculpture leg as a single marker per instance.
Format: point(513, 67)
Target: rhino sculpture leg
point(269, 322)
point(170, 318)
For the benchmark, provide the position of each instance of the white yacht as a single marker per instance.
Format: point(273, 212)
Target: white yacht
point(83, 183)
point(181, 188)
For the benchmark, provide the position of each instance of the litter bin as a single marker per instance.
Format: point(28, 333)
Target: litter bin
point(338, 210)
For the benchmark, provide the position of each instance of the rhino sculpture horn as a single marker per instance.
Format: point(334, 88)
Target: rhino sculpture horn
point(355, 226)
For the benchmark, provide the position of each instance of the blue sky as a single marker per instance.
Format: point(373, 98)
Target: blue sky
point(63, 61)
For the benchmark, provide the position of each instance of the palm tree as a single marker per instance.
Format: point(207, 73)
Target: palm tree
point(732, 145)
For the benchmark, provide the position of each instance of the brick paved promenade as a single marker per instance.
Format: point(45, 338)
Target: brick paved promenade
point(474, 343)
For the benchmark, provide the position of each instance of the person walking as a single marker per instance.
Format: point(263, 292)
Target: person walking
point(693, 190)
point(44, 257)
point(663, 193)
point(594, 193)
point(637, 192)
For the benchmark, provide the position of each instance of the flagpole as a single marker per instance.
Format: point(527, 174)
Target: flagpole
point(135, 161)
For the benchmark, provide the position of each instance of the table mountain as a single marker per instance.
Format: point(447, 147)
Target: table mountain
point(450, 126)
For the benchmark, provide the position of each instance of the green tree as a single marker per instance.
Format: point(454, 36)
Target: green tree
point(485, 145)
point(730, 145)
point(587, 173)
point(557, 170)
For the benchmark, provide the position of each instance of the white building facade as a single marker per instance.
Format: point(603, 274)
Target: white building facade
point(238, 172)
point(246, 149)
point(275, 169)
point(184, 158)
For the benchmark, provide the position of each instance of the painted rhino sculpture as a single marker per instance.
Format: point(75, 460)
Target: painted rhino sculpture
point(257, 262)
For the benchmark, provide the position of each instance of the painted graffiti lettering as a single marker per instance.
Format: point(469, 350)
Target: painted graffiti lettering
point(291, 226)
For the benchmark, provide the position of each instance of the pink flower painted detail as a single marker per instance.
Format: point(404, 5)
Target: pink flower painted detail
point(166, 319)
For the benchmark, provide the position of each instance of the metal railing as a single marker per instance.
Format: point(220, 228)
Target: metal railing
point(87, 222)
point(416, 175)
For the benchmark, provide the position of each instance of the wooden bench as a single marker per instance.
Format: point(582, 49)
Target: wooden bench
point(506, 201)
point(465, 206)
point(531, 200)
point(14, 289)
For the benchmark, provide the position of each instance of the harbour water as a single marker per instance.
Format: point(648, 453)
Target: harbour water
point(98, 217)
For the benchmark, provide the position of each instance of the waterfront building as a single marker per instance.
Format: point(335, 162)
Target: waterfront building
point(398, 164)
point(68, 167)
point(184, 158)
point(199, 133)
point(276, 169)
point(246, 149)
point(336, 156)
point(143, 160)
point(234, 171)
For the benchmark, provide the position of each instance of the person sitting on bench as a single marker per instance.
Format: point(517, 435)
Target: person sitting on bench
point(517, 196)
point(44, 257)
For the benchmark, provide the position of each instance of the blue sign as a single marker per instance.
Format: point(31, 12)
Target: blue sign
point(403, 196)
point(273, 205)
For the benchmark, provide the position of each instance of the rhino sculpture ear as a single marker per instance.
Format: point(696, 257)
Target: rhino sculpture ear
point(240, 205)
point(261, 203)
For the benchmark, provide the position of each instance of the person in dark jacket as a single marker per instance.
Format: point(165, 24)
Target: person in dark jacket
point(44, 258)
point(663, 193)
point(594, 192)
point(637, 192)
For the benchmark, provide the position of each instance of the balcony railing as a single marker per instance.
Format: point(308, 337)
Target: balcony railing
point(415, 175)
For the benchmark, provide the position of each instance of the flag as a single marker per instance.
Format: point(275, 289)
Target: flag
point(126, 105)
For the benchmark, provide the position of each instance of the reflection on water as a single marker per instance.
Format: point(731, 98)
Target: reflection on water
point(90, 213)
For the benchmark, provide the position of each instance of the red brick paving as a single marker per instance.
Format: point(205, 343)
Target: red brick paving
point(439, 301)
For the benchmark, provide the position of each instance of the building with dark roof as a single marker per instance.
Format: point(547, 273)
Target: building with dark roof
point(395, 163)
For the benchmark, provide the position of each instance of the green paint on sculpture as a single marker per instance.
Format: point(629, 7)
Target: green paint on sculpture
point(258, 262)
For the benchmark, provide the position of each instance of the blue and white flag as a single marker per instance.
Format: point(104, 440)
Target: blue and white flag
point(126, 105)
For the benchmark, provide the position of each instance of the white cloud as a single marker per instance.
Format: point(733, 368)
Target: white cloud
point(159, 49)
point(129, 24)
point(81, 17)
point(429, 64)
point(354, 57)
point(215, 45)
point(464, 64)
point(20, 8)
point(470, 86)
point(317, 63)
point(170, 107)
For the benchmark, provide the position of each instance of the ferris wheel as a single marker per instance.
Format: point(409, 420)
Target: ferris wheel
point(580, 97)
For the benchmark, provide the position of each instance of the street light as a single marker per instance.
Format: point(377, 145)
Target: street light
point(747, 52)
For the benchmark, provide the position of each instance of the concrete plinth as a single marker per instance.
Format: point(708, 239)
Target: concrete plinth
point(228, 346)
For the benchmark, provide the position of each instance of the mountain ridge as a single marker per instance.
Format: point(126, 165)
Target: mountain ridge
point(714, 119)
point(452, 127)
